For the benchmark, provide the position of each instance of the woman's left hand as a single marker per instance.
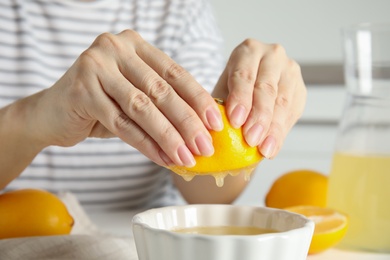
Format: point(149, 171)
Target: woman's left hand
point(264, 93)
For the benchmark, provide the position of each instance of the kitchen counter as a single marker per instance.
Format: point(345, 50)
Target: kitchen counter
point(119, 223)
point(335, 254)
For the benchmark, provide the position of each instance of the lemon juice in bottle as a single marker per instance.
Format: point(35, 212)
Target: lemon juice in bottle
point(360, 186)
point(359, 181)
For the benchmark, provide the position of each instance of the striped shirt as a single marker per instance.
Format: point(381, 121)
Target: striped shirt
point(39, 41)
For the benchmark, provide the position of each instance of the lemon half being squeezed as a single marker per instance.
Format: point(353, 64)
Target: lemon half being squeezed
point(232, 155)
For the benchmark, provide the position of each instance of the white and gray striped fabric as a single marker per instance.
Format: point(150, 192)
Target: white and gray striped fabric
point(39, 41)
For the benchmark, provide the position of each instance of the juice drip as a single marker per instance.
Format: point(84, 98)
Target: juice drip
point(248, 174)
point(219, 180)
point(219, 176)
point(188, 177)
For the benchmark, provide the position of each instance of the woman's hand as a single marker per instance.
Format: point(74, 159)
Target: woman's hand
point(122, 86)
point(264, 93)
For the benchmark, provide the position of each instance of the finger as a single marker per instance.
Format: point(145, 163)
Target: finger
point(264, 97)
point(282, 118)
point(137, 111)
point(242, 70)
point(289, 107)
point(100, 131)
point(184, 84)
point(100, 104)
point(123, 49)
point(220, 90)
point(175, 109)
point(109, 114)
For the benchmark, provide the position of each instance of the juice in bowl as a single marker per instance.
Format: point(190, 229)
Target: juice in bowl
point(221, 232)
point(359, 181)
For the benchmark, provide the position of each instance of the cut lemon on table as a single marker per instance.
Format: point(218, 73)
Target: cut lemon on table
point(232, 155)
point(298, 187)
point(330, 226)
point(33, 212)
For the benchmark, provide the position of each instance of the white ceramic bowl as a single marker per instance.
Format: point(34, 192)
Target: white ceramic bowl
point(155, 239)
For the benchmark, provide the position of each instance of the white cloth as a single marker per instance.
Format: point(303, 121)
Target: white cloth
point(86, 242)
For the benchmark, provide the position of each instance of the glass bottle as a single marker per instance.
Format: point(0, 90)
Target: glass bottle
point(359, 181)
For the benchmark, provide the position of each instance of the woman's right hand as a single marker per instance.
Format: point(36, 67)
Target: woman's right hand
point(122, 86)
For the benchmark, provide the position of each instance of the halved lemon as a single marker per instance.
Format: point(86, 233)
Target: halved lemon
point(330, 226)
point(232, 154)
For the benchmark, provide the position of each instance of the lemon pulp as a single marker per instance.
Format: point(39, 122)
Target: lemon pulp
point(188, 175)
point(330, 226)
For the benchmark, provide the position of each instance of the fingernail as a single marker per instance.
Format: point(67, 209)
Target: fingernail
point(253, 135)
point(237, 117)
point(214, 119)
point(186, 156)
point(165, 158)
point(204, 145)
point(268, 147)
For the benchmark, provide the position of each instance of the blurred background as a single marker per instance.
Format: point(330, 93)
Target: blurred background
point(310, 31)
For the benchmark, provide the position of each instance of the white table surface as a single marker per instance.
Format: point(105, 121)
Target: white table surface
point(119, 223)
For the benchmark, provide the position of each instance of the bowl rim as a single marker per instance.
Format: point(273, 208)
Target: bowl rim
point(136, 220)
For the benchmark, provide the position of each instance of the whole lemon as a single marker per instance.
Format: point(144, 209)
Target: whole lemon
point(33, 212)
point(231, 152)
point(297, 188)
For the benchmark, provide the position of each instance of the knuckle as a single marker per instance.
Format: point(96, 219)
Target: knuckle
point(174, 72)
point(107, 40)
point(122, 122)
point(244, 74)
point(283, 102)
point(167, 134)
point(293, 69)
point(89, 62)
point(266, 87)
point(89, 59)
point(140, 103)
point(159, 90)
point(266, 116)
point(200, 95)
point(278, 49)
point(250, 43)
point(131, 34)
point(276, 128)
point(103, 36)
point(142, 140)
point(189, 119)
